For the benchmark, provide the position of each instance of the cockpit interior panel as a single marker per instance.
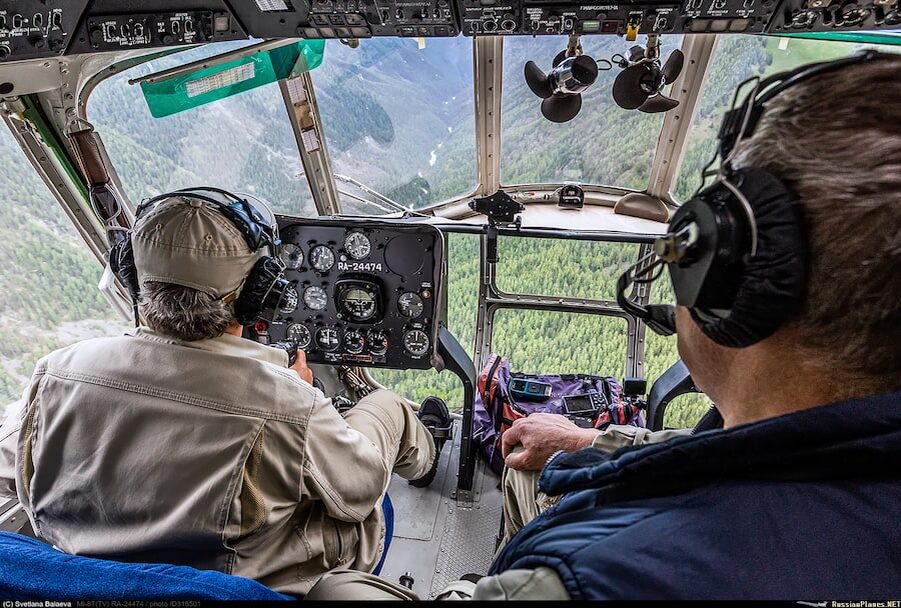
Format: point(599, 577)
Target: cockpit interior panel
point(368, 293)
point(34, 28)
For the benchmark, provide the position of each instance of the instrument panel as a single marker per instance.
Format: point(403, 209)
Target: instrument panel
point(368, 292)
point(45, 28)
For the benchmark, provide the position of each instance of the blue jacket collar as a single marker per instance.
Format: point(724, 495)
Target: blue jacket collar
point(847, 440)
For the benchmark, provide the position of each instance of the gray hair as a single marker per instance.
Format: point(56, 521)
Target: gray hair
point(184, 313)
point(836, 141)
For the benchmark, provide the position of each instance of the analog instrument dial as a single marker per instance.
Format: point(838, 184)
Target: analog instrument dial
point(291, 255)
point(354, 342)
point(410, 305)
point(322, 258)
point(378, 341)
point(327, 339)
point(300, 335)
point(358, 303)
point(315, 297)
point(357, 245)
point(416, 342)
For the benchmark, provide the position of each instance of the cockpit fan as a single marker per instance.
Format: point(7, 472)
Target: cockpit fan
point(561, 89)
point(640, 84)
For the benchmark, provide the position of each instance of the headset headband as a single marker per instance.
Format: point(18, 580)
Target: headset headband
point(257, 231)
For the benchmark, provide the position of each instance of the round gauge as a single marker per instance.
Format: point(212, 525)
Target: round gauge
point(315, 298)
point(327, 339)
point(357, 245)
point(410, 305)
point(354, 342)
point(378, 342)
point(289, 301)
point(299, 334)
point(291, 255)
point(416, 342)
point(358, 303)
point(322, 258)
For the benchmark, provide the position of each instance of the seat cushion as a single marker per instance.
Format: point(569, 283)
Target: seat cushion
point(32, 569)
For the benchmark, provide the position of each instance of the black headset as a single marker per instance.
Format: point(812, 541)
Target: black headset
point(265, 291)
point(736, 251)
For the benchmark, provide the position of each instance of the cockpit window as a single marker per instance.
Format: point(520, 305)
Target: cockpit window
point(47, 276)
point(242, 143)
point(561, 267)
point(398, 120)
point(603, 144)
point(735, 59)
point(564, 343)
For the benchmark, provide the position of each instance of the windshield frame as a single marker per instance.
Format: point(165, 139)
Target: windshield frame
point(487, 60)
point(320, 165)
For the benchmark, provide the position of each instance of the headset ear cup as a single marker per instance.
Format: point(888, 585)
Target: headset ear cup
point(122, 263)
point(263, 292)
point(773, 282)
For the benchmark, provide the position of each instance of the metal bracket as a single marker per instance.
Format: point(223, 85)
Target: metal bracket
point(303, 111)
point(457, 361)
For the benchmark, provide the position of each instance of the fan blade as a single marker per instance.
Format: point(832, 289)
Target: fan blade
point(658, 103)
point(561, 108)
point(673, 66)
point(627, 90)
point(560, 57)
point(537, 80)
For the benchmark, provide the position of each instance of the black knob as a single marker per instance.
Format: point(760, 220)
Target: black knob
point(406, 580)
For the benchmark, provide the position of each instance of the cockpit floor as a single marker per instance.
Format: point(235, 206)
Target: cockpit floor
point(438, 539)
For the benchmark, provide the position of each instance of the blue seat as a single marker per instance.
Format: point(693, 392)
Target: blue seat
point(30, 569)
point(388, 511)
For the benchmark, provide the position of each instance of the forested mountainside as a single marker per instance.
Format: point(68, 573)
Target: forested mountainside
point(400, 119)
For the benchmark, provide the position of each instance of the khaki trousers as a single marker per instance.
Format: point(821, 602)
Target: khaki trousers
point(522, 501)
point(389, 422)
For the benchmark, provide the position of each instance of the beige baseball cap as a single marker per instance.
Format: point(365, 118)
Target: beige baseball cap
point(187, 241)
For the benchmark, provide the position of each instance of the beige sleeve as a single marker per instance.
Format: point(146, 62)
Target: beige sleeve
point(618, 436)
point(538, 584)
point(342, 467)
point(9, 438)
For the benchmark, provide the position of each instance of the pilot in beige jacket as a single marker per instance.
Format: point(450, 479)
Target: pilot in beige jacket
point(181, 442)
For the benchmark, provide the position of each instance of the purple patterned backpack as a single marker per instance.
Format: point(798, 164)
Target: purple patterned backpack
point(496, 408)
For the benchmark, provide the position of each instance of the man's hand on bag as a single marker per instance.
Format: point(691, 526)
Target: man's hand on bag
point(541, 435)
point(301, 369)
